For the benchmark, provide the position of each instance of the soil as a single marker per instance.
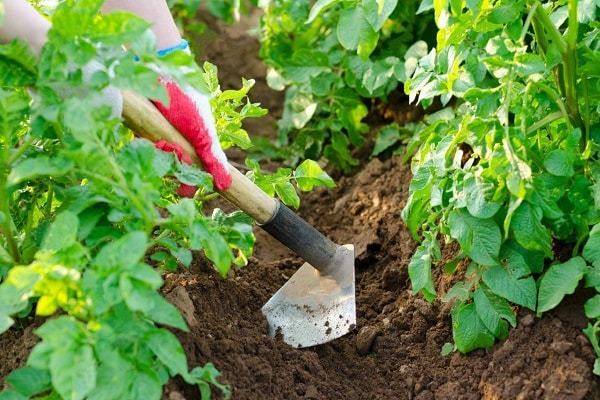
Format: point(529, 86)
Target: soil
point(394, 351)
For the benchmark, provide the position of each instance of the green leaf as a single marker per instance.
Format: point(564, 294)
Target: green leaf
point(419, 271)
point(124, 253)
point(73, 371)
point(558, 281)
point(478, 203)
point(469, 331)
point(592, 307)
point(167, 349)
point(206, 376)
point(39, 166)
point(287, 193)
point(114, 378)
point(70, 10)
point(355, 32)
point(18, 65)
point(505, 283)
point(140, 297)
point(12, 395)
point(527, 228)
point(591, 249)
point(5, 323)
point(479, 238)
point(494, 312)
point(378, 11)
point(319, 7)
point(560, 163)
point(62, 232)
point(29, 381)
point(386, 137)
point(146, 384)
point(309, 174)
point(504, 13)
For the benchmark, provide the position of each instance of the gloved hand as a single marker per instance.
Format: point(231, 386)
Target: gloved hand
point(190, 113)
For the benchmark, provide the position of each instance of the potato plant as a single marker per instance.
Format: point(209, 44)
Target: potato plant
point(329, 56)
point(89, 216)
point(510, 170)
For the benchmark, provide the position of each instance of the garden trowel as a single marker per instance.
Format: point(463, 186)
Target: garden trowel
point(318, 303)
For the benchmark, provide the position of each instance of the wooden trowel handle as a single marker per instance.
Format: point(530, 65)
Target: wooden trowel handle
point(146, 121)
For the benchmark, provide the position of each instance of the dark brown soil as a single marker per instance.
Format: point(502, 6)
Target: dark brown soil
point(394, 353)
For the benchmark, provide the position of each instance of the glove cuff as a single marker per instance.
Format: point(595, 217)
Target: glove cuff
point(183, 45)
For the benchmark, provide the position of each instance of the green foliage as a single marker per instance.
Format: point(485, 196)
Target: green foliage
point(509, 169)
point(226, 10)
point(330, 56)
point(85, 207)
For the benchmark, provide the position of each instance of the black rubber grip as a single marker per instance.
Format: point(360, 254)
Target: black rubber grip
point(300, 237)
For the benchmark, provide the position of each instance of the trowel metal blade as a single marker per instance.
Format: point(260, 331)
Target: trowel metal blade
point(314, 308)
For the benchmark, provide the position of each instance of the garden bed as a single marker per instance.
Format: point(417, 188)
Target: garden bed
point(394, 352)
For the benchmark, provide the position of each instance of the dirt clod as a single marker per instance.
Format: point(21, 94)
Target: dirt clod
point(365, 338)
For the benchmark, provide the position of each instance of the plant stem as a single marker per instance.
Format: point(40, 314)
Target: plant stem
point(566, 72)
point(6, 223)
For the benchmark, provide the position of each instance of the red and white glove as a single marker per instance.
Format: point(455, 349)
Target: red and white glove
point(189, 112)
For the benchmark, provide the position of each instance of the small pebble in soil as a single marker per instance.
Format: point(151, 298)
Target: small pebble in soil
point(561, 347)
point(365, 338)
point(528, 320)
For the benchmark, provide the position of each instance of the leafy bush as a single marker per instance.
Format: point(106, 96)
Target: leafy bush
point(83, 204)
point(511, 170)
point(330, 58)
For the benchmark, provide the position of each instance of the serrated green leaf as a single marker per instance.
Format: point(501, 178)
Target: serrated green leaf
point(469, 331)
point(505, 283)
point(167, 349)
point(309, 174)
point(558, 281)
point(479, 238)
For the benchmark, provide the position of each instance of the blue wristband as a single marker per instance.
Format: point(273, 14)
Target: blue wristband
point(183, 45)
